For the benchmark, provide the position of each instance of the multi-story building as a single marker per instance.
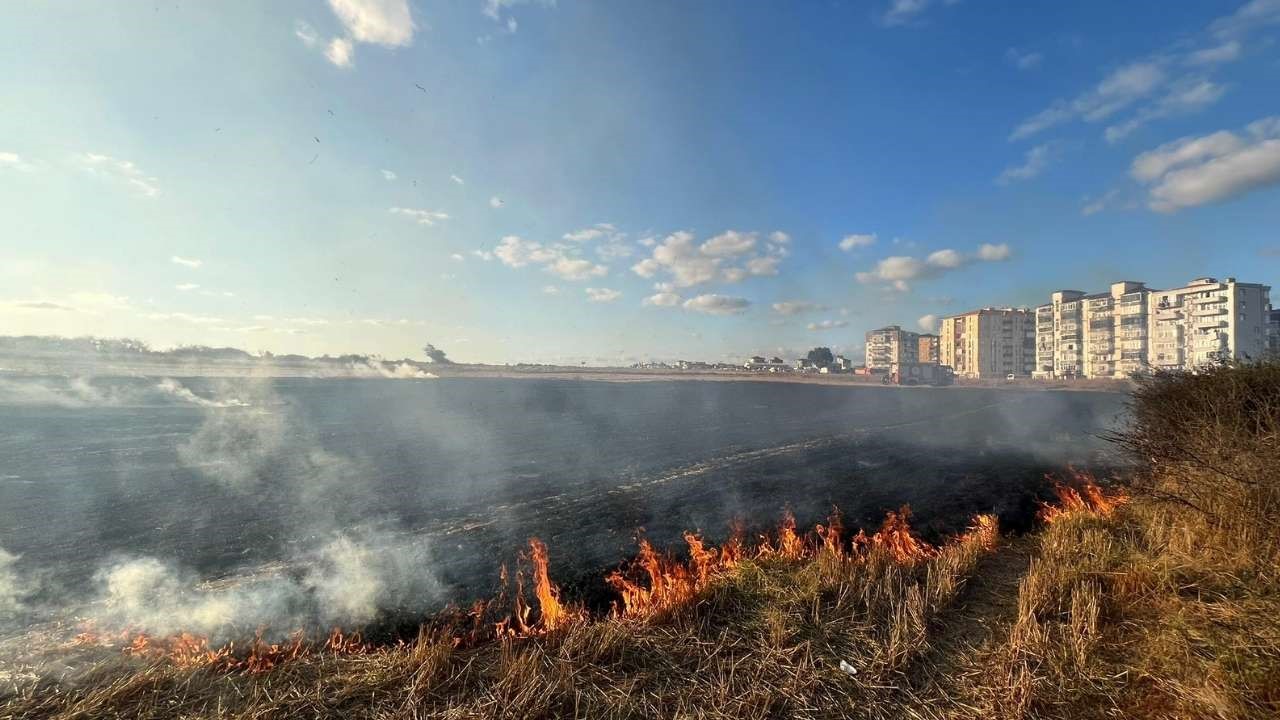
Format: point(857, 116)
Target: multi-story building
point(989, 343)
point(1206, 322)
point(1273, 333)
point(889, 345)
point(928, 351)
point(1115, 337)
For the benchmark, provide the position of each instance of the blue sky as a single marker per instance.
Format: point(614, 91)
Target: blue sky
point(608, 182)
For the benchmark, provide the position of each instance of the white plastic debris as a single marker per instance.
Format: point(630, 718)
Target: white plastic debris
point(848, 669)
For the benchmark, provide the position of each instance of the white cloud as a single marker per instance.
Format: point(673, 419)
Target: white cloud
point(1226, 52)
point(1186, 96)
point(339, 51)
point(187, 262)
point(517, 252)
point(1097, 205)
point(898, 271)
point(796, 307)
point(827, 324)
point(457, 257)
point(602, 295)
point(550, 290)
point(14, 161)
point(730, 243)
point(1251, 15)
point(389, 175)
point(928, 323)
point(1036, 160)
point(422, 217)
point(993, 253)
point(849, 243)
point(379, 22)
point(483, 254)
point(1023, 60)
point(767, 265)
point(495, 202)
point(689, 263)
point(186, 286)
point(186, 317)
point(457, 180)
point(1195, 171)
point(305, 33)
point(903, 12)
point(662, 299)
point(712, 304)
point(514, 251)
point(1120, 89)
point(495, 10)
point(120, 171)
point(569, 268)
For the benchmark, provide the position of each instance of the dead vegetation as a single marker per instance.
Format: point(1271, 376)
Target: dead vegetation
point(1161, 602)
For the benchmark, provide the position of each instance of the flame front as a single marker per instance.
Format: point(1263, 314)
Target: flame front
point(1080, 494)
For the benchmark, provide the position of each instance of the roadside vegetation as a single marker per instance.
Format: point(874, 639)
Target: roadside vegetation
point(1150, 596)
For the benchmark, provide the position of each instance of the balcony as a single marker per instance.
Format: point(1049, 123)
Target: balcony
point(1209, 311)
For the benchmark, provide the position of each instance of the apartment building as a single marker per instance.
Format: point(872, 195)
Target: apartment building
point(928, 351)
point(1208, 321)
point(1093, 335)
point(889, 345)
point(989, 343)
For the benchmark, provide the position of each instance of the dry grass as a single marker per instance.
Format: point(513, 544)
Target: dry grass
point(762, 641)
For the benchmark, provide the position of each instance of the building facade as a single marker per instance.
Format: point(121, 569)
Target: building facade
point(989, 343)
point(928, 351)
point(889, 345)
point(1206, 322)
point(1116, 335)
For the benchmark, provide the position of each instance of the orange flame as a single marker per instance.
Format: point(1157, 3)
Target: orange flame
point(1082, 495)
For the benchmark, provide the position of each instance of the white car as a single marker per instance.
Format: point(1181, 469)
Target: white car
point(1010, 376)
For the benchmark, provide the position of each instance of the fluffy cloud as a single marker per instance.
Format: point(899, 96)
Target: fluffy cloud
point(1023, 60)
point(550, 290)
point(928, 323)
point(712, 304)
point(186, 262)
point(120, 171)
point(423, 217)
point(1196, 171)
point(849, 243)
point(898, 271)
point(497, 10)
point(796, 307)
point(378, 22)
point(457, 180)
point(14, 161)
point(186, 286)
point(988, 252)
point(730, 243)
point(827, 324)
point(517, 252)
point(570, 268)
point(495, 202)
point(662, 299)
point(339, 51)
point(602, 295)
point(689, 263)
point(1036, 160)
point(388, 174)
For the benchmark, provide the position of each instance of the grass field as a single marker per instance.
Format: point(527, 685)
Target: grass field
point(1154, 598)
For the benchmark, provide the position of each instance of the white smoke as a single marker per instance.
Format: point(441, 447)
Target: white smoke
point(11, 592)
point(347, 582)
point(180, 392)
point(377, 368)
